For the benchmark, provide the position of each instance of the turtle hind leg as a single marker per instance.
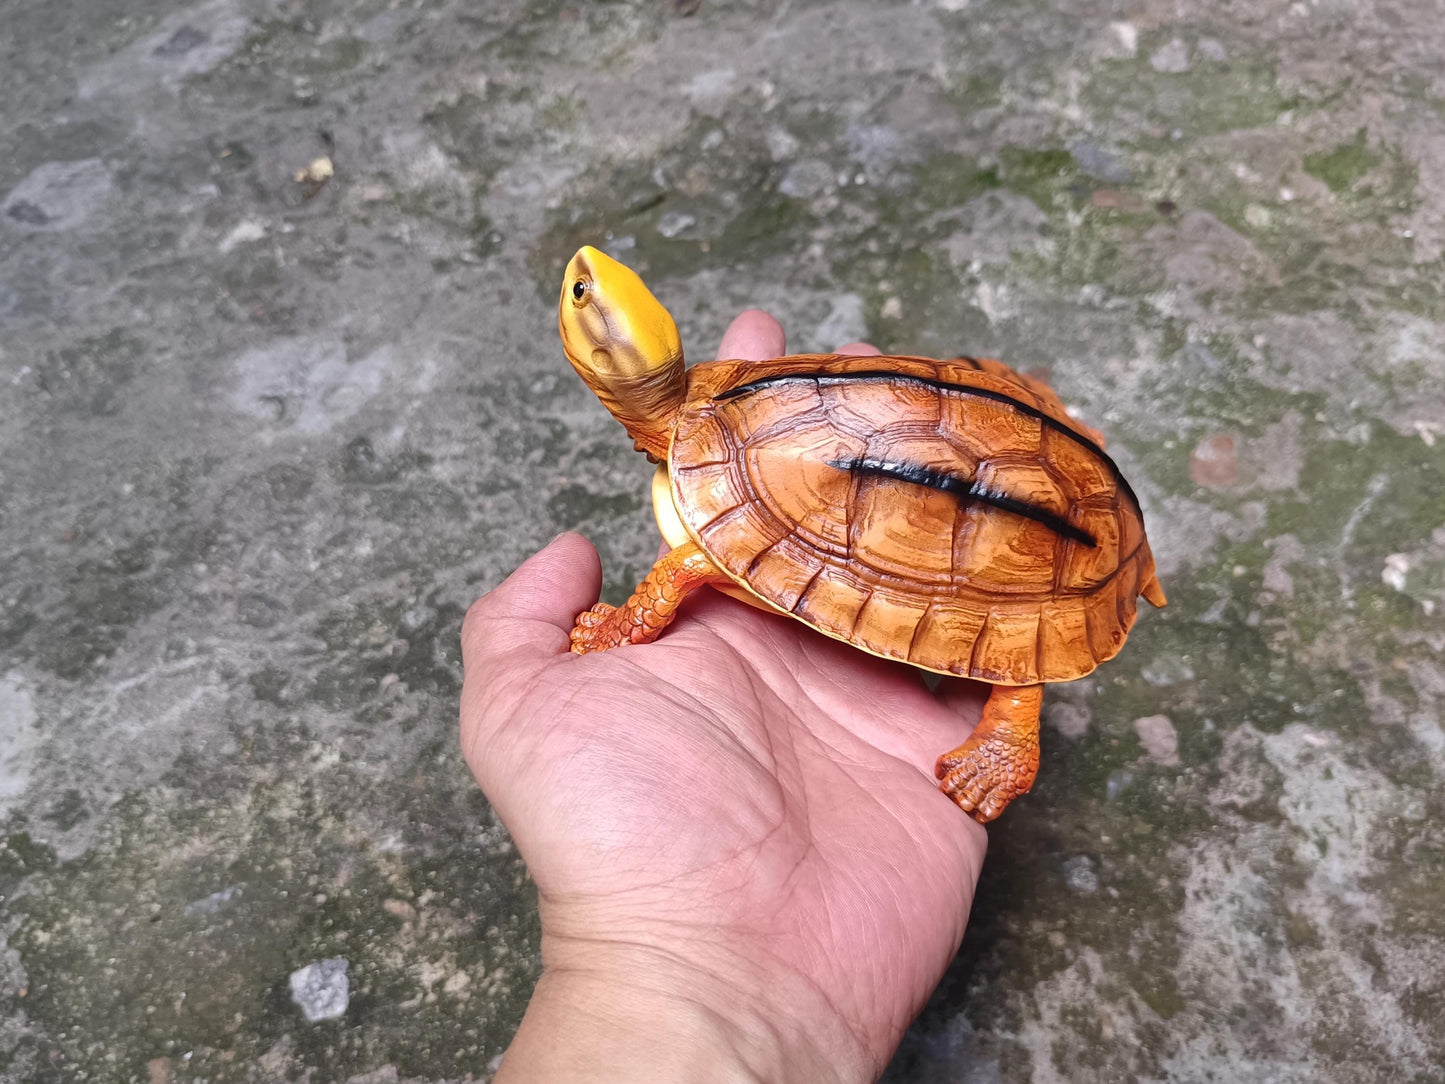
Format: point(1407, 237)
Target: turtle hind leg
point(1001, 757)
point(652, 606)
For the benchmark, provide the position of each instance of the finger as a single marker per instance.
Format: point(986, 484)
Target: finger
point(858, 350)
point(534, 608)
point(752, 336)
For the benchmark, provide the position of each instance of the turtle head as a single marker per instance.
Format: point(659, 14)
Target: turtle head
point(624, 344)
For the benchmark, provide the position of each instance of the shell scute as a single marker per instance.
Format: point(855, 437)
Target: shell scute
point(743, 532)
point(817, 492)
point(885, 613)
point(988, 430)
point(1085, 568)
point(716, 490)
point(1063, 637)
point(1007, 647)
point(909, 540)
point(833, 601)
point(998, 554)
point(784, 571)
point(947, 624)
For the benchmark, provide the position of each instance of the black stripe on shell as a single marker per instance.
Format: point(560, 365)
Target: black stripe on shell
point(966, 488)
point(872, 376)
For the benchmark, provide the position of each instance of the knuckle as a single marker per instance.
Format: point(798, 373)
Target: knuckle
point(475, 621)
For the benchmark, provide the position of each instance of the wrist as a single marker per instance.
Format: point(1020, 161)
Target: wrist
point(608, 1011)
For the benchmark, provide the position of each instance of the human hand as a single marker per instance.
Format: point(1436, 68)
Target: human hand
point(745, 869)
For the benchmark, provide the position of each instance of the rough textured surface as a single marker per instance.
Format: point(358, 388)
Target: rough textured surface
point(261, 441)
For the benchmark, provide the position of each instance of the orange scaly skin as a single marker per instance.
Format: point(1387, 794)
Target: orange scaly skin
point(652, 606)
point(1001, 757)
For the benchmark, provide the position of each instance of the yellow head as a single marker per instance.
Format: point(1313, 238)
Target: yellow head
point(624, 344)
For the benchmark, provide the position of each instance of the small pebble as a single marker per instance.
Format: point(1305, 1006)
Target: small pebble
point(1213, 463)
point(1212, 49)
point(1172, 59)
point(322, 990)
point(1117, 783)
point(1070, 720)
point(1397, 568)
point(674, 223)
point(1126, 35)
point(1080, 876)
point(1159, 739)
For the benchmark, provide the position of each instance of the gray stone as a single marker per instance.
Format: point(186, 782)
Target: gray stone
point(993, 228)
point(1167, 670)
point(844, 323)
point(1159, 739)
point(1212, 49)
point(1070, 720)
point(19, 738)
point(322, 990)
point(59, 195)
point(807, 179)
point(1172, 57)
point(1080, 876)
point(675, 222)
point(215, 902)
point(1098, 161)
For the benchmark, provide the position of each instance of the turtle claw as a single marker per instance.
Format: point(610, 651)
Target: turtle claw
point(982, 781)
point(595, 616)
point(593, 632)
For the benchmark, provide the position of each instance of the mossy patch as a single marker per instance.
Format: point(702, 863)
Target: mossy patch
point(942, 180)
point(1209, 99)
point(1341, 167)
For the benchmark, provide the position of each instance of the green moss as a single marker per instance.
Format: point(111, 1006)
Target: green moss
point(981, 90)
point(1209, 99)
point(562, 112)
point(943, 180)
point(1048, 176)
point(1341, 167)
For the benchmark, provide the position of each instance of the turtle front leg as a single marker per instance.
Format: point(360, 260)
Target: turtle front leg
point(652, 606)
point(1000, 758)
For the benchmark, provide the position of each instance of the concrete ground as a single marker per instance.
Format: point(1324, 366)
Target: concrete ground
point(262, 440)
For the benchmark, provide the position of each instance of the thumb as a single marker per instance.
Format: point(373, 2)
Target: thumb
point(533, 610)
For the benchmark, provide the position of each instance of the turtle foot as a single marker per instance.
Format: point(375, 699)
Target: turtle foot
point(652, 606)
point(1000, 759)
point(594, 632)
point(983, 779)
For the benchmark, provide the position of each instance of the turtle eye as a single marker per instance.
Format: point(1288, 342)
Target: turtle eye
point(579, 289)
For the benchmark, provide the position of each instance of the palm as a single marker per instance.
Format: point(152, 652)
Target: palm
point(745, 780)
point(743, 792)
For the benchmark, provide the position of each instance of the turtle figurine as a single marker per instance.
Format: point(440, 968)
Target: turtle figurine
point(947, 514)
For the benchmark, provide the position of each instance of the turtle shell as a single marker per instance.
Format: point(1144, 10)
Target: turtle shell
point(948, 514)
